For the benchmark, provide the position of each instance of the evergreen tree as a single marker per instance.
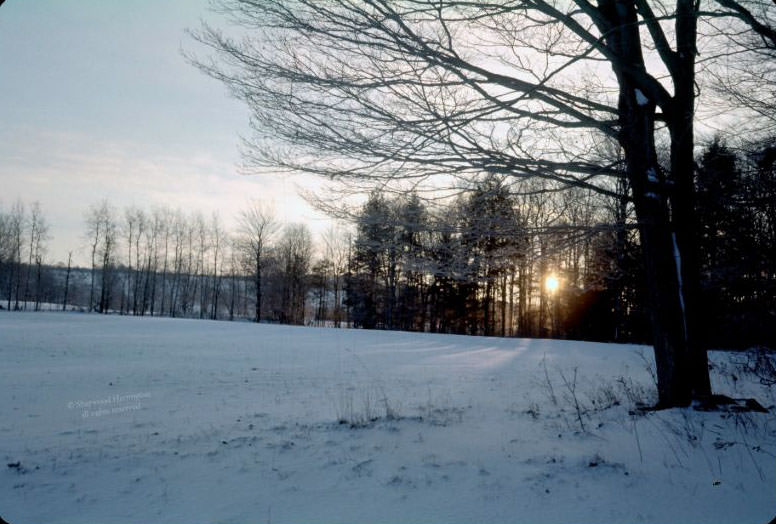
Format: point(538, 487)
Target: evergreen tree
point(493, 238)
point(369, 291)
point(412, 236)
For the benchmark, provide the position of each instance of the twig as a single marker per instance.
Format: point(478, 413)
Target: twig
point(572, 387)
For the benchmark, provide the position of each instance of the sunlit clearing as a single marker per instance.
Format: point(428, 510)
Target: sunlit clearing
point(551, 283)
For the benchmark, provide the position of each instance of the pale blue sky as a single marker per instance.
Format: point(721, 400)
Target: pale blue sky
point(98, 102)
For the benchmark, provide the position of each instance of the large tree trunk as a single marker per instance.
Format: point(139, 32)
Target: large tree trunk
point(682, 197)
point(667, 305)
point(662, 258)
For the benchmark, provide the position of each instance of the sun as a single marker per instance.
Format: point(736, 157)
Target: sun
point(551, 283)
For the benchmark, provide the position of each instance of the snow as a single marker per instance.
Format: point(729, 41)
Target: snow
point(640, 98)
point(678, 262)
point(119, 419)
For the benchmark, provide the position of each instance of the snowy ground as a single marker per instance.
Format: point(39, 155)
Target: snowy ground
point(117, 419)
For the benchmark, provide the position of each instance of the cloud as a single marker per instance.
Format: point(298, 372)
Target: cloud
point(68, 171)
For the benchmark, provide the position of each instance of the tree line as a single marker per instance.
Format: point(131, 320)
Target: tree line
point(474, 264)
point(160, 262)
point(479, 265)
point(23, 237)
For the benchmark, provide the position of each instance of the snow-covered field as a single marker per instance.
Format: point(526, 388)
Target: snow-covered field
point(118, 419)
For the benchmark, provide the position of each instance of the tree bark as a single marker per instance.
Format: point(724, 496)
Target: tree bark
point(683, 197)
point(658, 241)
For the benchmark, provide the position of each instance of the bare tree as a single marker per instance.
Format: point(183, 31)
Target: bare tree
point(5, 241)
point(38, 236)
point(102, 235)
point(218, 240)
point(746, 77)
point(295, 255)
point(378, 91)
point(257, 228)
point(12, 247)
point(142, 224)
point(108, 257)
point(165, 217)
point(154, 234)
point(178, 228)
point(33, 232)
point(234, 271)
point(67, 280)
point(201, 273)
point(336, 247)
point(190, 269)
point(129, 228)
point(95, 231)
